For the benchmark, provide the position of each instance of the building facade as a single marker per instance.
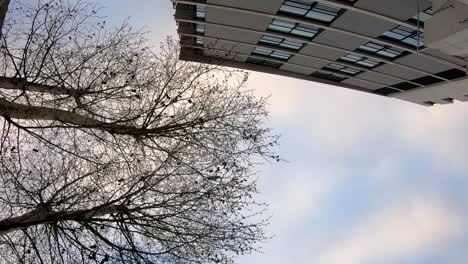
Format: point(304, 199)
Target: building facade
point(374, 46)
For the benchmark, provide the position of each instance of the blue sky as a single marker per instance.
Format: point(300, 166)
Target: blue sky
point(369, 179)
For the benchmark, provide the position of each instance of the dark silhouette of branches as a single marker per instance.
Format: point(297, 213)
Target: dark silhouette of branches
point(114, 153)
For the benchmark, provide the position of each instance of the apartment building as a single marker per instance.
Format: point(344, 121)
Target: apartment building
point(414, 50)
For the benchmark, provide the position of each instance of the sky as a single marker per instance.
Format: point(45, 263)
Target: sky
point(368, 179)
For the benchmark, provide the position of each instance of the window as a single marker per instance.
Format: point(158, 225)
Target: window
point(360, 61)
point(386, 91)
point(404, 86)
point(427, 80)
point(267, 63)
point(199, 41)
point(200, 12)
point(271, 53)
point(328, 76)
point(423, 16)
point(381, 50)
point(405, 36)
point(342, 69)
point(315, 11)
point(280, 42)
point(200, 29)
point(295, 29)
point(452, 74)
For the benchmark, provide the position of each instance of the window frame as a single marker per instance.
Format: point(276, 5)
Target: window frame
point(360, 61)
point(199, 41)
point(386, 91)
point(294, 29)
point(312, 11)
point(200, 28)
point(328, 76)
point(270, 53)
point(343, 69)
point(263, 62)
point(274, 41)
point(381, 50)
point(200, 12)
point(400, 34)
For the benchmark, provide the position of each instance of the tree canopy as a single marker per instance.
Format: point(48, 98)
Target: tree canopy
point(113, 152)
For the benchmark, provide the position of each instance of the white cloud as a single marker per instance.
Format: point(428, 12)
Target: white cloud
point(338, 119)
point(297, 196)
point(397, 232)
point(286, 95)
point(335, 126)
point(440, 131)
point(342, 121)
point(338, 125)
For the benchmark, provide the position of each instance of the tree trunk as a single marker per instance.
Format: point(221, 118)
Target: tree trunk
point(19, 111)
point(3, 10)
point(41, 216)
point(12, 83)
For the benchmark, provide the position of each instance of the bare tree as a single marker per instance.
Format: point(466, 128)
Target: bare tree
point(111, 152)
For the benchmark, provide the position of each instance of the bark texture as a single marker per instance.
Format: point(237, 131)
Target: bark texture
point(43, 216)
point(12, 83)
point(26, 112)
point(3, 10)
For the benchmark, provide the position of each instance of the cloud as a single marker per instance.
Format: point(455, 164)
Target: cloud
point(297, 196)
point(397, 232)
point(384, 145)
point(440, 131)
point(285, 95)
point(156, 17)
point(337, 119)
point(343, 122)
